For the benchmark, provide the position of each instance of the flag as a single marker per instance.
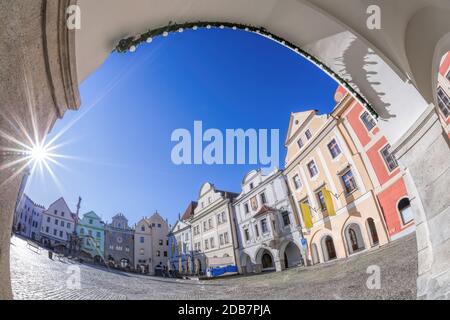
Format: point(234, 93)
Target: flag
point(306, 213)
point(329, 202)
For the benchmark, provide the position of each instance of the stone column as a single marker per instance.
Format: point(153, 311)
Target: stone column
point(425, 154)
point(38, 83)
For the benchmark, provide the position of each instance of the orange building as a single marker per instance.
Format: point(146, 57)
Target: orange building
point(332, 189)
point(385, 174)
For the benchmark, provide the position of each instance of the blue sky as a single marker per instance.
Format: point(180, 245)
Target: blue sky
point(121, 143)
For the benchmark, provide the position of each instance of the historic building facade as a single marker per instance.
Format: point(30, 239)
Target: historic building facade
point(269, 229)
point(91, 231)
point(160, 241)
point(119, 243)
point(443, 93)
point(387, 177)
point(214, 230)
point(28, 218)
point(58, 224)
point(143, 247)
point(180, 243)
point(340, 214)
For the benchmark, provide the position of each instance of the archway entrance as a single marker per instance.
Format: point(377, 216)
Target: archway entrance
point(265, 261)
point(373, 232)
point(354, 238)
point(328, 248)
point(292, 256)
point(246, 263)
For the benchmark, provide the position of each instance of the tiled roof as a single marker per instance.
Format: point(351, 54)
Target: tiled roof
point(189, 211)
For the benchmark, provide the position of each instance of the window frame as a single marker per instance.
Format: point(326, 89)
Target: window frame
point(387, 157)
point(345, 173)
point(368, 121)
point(336, 146)
point(309, 169)
point(445, 109)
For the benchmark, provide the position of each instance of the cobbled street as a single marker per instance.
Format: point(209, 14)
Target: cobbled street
point(35, 276)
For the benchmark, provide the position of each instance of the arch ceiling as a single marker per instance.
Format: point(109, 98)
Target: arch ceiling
point(376, 63)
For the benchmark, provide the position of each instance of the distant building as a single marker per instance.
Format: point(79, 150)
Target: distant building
point(269, 229)
point(58, 224)
point(214, 230)
point(143, 246)
point(160, 241)
point(28, 218)
point(180, 243)
point(91, 232)
point(19, 199)
point(119, 243)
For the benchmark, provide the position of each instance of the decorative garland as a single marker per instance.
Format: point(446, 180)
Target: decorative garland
point(130, 44)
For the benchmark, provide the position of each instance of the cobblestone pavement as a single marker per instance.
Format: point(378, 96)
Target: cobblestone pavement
point(35, 276)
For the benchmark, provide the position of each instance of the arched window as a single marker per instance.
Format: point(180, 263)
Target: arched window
point(404, 207)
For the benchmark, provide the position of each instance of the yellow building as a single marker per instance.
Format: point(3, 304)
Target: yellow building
point(331, 188)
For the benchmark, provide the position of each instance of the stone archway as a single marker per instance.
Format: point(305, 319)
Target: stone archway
point(264, 261)
point(354, 238)
point(42, 76)
point(328, 249)
point(246, 264)
point(291, 255)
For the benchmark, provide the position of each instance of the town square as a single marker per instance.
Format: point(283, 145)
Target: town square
point(224, 150)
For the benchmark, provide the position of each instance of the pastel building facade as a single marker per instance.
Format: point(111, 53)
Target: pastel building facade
point(119, 243)
point(269, 229)
point(443, 93)
point(143, 248)
point(180, 243)
point(28, 218)
point(386, 175)
point(160, 241)
point(91, 233)
point(214, 230)
point(332, 190)
point(58, 224)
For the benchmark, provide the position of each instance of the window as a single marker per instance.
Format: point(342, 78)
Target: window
point(161, 242)
point(47, 229)
point(368, 121)
point(62, 223)
point(165, 254)
point(312, 168)
point(90, 233)
point(264, 227)
point(212, 242)
point(444, 102)
point(60, 234)
point(210, 224)
point(246, 235)
point(91, 221)
point(224, 217)
point(389, 159)
point(252, 186)
point(227, 239)
point(297, 182)
point(142, 240)
point(448, 76)
point(56, 221)
point(68, 225)
point(349, 182)
point(300, 143)
point(334, 149)
point(308, 134)
point(48, 219)
point(142, 252)
point(54, 232)
point(404, 207)
point(56, 212)
point(62, 213)
point(158, 253)
point(205, 226)
point(221, 240)
point(321, 200)
point(257, 230)
point(159, 225)
point(263, 198)
point(206, 244)
point(246, 208)
point(98, 235)
point(143, 228)
point(286, 219)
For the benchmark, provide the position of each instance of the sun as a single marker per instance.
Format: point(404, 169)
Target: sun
point(39, 153)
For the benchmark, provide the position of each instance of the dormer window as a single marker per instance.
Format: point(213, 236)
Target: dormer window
point(308, 134)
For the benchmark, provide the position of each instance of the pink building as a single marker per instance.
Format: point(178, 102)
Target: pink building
point(387, 176)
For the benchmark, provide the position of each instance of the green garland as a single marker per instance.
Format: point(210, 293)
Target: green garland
point(130, 44)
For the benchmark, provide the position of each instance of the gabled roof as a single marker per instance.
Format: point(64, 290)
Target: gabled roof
point(296, 122)
point(91, 214)
point(265, 209)
point(189, 211)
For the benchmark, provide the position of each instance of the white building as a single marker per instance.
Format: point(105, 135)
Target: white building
point(28, 218)
point(213, 230)
point(58, 224)
point(180, 243)
point(269, 228)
